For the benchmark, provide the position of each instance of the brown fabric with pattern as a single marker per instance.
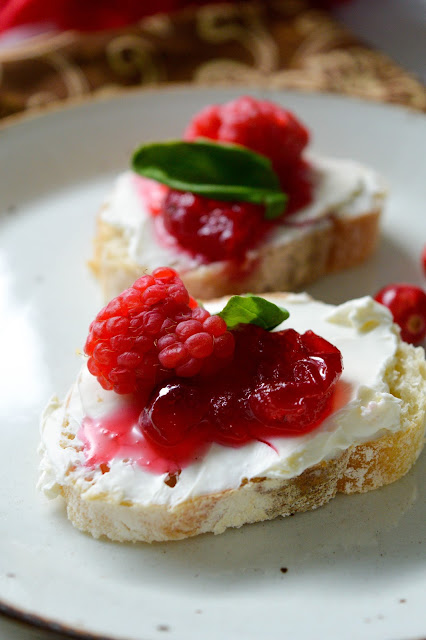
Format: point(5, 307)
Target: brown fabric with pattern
point(275, 43)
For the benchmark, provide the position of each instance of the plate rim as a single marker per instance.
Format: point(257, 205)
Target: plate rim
point(34, 621)
point(118, 93)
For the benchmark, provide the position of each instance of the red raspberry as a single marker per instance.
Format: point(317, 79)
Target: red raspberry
point(267, 129)
point(213, 229)
point(150, 332)
point(296, 183)
point(407, 304)
point(258, 124)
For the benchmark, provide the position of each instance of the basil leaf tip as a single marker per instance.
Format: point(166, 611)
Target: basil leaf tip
point(252, 309)
point(222, 171)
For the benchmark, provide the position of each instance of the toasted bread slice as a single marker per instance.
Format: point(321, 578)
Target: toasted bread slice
point(338, 230)
point(132, 511)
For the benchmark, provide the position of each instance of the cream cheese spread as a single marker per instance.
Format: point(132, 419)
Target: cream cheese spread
point(341, 187)
point(363, 411)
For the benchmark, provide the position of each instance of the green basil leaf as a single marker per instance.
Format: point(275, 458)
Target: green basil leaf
point(220, 171)
point(252, 310)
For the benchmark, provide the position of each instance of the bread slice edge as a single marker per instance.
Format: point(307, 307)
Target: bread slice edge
point(331, 244)
point(358, 469)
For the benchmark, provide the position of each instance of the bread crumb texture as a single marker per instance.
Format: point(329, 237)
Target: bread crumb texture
point(375, 464)
point(332, 244)
point(356, 470)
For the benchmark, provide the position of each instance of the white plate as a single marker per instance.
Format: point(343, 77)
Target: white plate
point(356, 568)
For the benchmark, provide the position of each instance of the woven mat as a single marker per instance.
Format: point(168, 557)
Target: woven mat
point(279, 44)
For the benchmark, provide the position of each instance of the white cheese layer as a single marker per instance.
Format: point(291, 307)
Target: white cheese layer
point(340, 187)
point(363, 410)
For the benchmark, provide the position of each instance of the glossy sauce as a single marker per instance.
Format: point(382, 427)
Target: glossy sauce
point(279, 384)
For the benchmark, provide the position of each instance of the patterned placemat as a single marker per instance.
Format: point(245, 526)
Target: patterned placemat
point(274, 43)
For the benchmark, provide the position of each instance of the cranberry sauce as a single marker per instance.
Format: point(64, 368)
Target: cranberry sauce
point(212, 229)
point(278, 384)
point(118, 436)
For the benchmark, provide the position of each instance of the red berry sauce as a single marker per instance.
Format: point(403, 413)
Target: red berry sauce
point(213, 229)
point(119, 436)
point(278, 384)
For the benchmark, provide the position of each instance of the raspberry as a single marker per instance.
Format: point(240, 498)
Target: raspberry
point(150, 332)
point(213, 229)
point(267, 129)
point(258, 124)
point(407, 304)
point(296, 183)
point(196, 345)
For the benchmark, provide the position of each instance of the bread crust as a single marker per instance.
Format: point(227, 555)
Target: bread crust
point(256, 500)
point(356, 470)
point(334, 243)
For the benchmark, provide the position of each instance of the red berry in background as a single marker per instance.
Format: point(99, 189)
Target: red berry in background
point(213, 229)
point(266, 128)
point(407, 304)
point(424, 260)
point(152, 331)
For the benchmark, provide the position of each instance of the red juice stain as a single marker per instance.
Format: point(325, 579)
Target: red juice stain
point(119, 436)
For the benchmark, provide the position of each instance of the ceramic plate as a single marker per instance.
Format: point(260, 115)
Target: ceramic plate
point(355, 568)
